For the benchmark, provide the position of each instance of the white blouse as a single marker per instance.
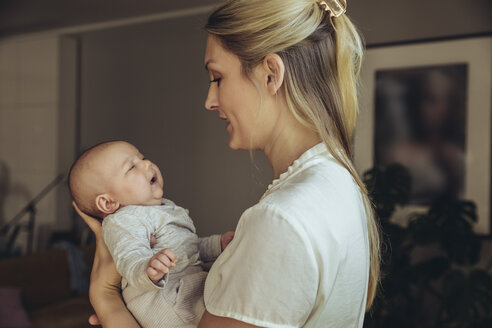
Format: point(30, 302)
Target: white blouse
point(300, 257)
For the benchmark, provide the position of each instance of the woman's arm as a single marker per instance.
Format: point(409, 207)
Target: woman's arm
point(267, 275)
point(213, 321)
point(104, 291)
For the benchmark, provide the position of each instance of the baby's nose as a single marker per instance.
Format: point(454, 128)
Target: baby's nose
point(145, 164)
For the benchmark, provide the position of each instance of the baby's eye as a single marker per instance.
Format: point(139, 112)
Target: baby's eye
point(131, 167)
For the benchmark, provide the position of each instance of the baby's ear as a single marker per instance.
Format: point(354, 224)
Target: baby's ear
point(106, 204)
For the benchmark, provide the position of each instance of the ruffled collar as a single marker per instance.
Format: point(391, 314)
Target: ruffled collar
point(297, 165)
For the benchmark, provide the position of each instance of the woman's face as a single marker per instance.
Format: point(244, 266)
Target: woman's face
point(232, 95)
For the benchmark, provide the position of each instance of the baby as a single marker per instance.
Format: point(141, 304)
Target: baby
point(162, 286)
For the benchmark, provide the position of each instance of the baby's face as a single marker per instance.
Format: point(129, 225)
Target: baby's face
point(129, 177)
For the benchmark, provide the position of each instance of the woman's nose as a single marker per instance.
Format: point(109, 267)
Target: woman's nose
point(211, 102)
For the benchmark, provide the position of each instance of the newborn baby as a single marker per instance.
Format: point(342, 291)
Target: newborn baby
point(162, 286)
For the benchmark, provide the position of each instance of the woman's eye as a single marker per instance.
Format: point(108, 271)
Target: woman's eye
point(216, 80)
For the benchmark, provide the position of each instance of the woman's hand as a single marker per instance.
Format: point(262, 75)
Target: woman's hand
point(105, 286)
point(104, 272)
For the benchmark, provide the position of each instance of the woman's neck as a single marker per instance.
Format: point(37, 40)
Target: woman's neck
point(288, 146)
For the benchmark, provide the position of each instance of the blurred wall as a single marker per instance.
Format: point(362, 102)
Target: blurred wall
point(29, 116)
point(145, 82)
point(390, 21)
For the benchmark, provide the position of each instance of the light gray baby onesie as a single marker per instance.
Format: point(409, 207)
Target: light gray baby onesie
point(177, 300)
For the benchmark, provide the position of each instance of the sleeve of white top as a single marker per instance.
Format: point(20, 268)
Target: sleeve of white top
point(128, 239)
point(267, 276)
point(209, 248)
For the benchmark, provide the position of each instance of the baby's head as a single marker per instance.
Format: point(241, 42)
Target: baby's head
point(111, 175)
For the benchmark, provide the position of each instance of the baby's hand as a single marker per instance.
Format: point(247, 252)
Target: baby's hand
point(160, 264)
point(226, 238)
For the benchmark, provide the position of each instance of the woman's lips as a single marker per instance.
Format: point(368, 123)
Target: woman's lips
point(227, 121)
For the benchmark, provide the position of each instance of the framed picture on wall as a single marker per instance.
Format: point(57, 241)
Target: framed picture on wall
point(428, 106)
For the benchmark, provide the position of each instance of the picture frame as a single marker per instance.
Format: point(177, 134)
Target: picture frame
point(476, 55)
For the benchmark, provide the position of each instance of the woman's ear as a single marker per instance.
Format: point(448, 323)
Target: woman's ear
point(275, 69)
point(106, 204)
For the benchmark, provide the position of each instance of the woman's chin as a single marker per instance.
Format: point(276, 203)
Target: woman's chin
point(232, 143)
point(236, 145)
point(233, 146)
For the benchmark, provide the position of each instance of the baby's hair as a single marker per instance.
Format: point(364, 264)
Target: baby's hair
point(83, 193)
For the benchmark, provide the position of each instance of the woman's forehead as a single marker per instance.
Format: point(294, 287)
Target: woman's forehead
point(215, 54)
point(211, 51)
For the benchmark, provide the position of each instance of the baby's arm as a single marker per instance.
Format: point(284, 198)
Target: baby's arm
point(160, 264)
point(211, 247)
point(128, 240)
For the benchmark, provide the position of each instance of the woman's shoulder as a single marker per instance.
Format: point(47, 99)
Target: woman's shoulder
point(319, 185)
point(317, 175)
point(320, 200)
point(270, 261)
point(266, 216)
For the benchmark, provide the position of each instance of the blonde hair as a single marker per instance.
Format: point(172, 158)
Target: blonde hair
point(322, 57)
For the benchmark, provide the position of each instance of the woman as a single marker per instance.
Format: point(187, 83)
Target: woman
point(283, 75)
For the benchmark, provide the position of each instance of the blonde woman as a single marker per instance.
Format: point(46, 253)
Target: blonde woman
point(283, 75)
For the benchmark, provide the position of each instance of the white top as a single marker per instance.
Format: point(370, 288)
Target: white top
point(300, 257)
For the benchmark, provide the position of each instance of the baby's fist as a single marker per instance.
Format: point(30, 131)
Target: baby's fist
point(226, 238)
point(160, 264)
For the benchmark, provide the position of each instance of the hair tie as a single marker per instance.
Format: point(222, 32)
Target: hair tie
point(335, 7)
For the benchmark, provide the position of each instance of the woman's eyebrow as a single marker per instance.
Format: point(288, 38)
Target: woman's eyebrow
point(210, 61)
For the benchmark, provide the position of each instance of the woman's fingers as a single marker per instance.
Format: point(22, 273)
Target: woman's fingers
point(104, 277)
point(94, 320)
point(102, 252)
point(93, 223)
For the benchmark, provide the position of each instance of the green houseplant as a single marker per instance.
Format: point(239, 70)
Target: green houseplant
point(430, 276)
